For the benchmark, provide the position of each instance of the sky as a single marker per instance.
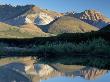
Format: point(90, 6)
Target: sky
point(102, 6)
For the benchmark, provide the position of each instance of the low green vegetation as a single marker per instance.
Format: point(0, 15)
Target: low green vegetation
point(91, 49)
point(94, 52)
point(66, 37)
point(25, 31)
point(95, 46)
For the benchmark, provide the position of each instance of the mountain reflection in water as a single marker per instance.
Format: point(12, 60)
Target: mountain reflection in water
point(30, 72)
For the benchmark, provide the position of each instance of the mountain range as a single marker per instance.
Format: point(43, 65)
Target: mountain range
point(36, 22)
point(20, 15)
point(67, 24)
point(29, 72)
point(91, 17)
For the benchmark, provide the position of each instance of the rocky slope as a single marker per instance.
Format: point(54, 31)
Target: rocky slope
point(92, 73)
point(29, 72)
point(32, 19)
point(28, 18)
point(92, 17)
point(68, 24)
point(20, 15)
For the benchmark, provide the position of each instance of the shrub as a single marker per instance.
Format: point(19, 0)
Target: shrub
point(95, 46)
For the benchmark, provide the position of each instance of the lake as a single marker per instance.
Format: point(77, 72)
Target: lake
point(28, 70)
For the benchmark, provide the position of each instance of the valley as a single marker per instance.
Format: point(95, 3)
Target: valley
point(51, 37)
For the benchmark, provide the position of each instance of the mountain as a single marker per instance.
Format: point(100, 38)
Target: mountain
point(72, 71)
point(28, 71)
point(92, 73)
point(9, 31)
point(26, 31)
point(19, 15)
point(32, 30)
point(34, 21)
point(92, 17)
point(68, 24)
point(105, 29)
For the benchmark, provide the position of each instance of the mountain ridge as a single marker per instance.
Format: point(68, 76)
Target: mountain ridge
point(25, 31)
point(18, 15)
point(92, 17)
point(50, 22)
point(68, 24)
point(44, 16)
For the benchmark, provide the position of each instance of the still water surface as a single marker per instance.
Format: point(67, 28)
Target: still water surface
point(29, 71)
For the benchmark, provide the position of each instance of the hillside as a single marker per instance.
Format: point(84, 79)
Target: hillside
point(92, 17)
point(32, 30)
point(35, 21)
point(8, 31)
point(19, 15)
point(67, 24)
point(105, 29)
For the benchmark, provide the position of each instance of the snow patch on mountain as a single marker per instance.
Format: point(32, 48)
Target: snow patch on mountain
point(43, 19)
point(27, 20)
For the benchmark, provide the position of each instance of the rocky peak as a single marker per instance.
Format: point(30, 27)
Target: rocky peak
point(19, 15)
point(43, 19)
point(92, 17)
point(35, 9)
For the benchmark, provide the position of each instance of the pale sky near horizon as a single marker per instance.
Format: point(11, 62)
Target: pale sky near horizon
point(66, 5)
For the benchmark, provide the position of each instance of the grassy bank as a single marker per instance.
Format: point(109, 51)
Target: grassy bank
point(90, 47)
point(79, 48)
point(94, 52)
point(66, 37)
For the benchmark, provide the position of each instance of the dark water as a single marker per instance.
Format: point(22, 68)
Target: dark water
point(28, 71)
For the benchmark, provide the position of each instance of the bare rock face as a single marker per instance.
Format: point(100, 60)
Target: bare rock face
point(68, 24)
point(44, 70)
point(43, 19)
point(19, 15)
point(27, 71)
point(38, 16)
point(92, 73)
point(92, 17)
